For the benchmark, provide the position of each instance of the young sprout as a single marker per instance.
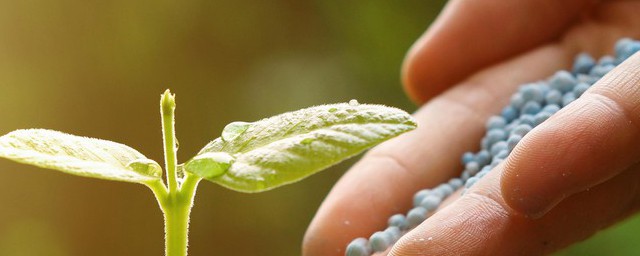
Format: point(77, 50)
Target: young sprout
point(247, 157)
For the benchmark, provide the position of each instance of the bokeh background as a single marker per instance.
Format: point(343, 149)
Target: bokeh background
point(97, 68)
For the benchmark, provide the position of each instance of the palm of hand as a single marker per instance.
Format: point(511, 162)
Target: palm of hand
point(472, 70)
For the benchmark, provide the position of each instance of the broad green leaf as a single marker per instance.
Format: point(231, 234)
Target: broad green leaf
point(286, 148)
point(78, 155)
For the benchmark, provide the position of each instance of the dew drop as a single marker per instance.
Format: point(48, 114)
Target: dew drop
point(233, 130)
point(307, 141)
point(353, 102)
point(209, 165)
point(146, 167)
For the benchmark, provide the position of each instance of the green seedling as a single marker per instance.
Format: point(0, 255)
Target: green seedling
point(247, 157)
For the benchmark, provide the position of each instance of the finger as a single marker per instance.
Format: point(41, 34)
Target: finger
point(481, 223)
point(383, 182)
point(471, 35)
point(588, 142)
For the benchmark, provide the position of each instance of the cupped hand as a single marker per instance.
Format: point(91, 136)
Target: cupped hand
point(574, 174)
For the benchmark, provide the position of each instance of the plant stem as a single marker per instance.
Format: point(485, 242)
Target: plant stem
point(176, 226)
point(189, 185)
point(176, 208)
point(167, 110)
point(175, 200)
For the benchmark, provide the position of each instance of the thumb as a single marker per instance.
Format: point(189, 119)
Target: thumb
point(588, 142)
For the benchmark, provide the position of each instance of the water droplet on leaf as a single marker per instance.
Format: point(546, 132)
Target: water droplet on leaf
point(307, 141)
point(146, 167)
point(210, 165)
point(233, 130)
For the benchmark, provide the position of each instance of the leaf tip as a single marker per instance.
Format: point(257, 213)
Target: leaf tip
point(411, 121)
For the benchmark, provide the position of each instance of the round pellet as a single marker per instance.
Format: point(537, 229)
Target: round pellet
point(521, 130)
point(532, 93)
point(527, 119)
point(394, 232)
point(588, 79)
point(358, 247)
point(380, 241)
point(483, 157)
point(513, 141)
point(583, 63)
point(541, 117)
point(431, 202)
point(445, 189)
point(551, 108)
point(498, 147)
point(601, 70)
point(568, 98)
point(416, 216)
point(473, 167)
point(517, 101)
point(554, 97)
point(495, 122)
point(509, 113)
point(456, 183)
point(606, 61)
point(470, 182)
point(417, 198)
point(580, 89)
point(398, 220)
point(531, 108)
point(562, 81)
point(467, 157)
point(494, 136)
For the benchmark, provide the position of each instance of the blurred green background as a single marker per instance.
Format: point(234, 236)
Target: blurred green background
point(97, 68)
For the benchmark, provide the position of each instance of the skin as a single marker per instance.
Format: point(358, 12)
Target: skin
point(570, 177)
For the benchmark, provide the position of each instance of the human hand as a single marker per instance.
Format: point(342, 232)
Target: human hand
point(468, 64)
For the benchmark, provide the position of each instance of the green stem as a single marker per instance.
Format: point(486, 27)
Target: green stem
point(190, 184)
point(176, 209)
point(176, 228)
point(175, 200)
point(167, 109)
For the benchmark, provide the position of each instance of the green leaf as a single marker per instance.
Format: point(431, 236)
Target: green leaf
point(78, 155)
point(286, 148)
